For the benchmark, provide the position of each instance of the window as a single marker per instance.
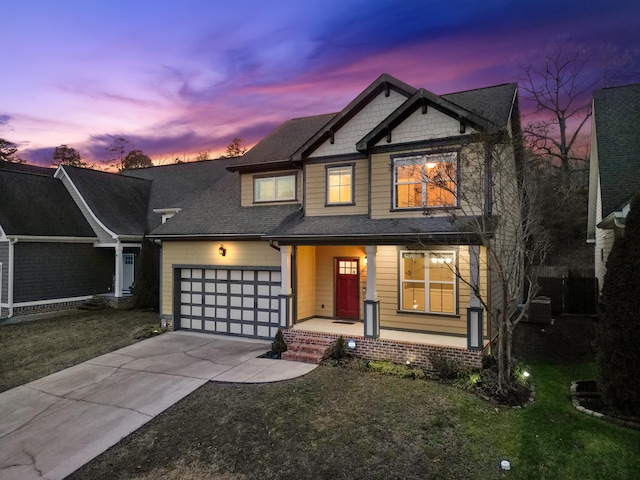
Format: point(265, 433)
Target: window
point(428, 282)
point(425, 180)
point(274, 189)
point(340, 185)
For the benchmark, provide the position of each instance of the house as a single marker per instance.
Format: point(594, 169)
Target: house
point(70, 233)
point(614, 175)
point(340, 224)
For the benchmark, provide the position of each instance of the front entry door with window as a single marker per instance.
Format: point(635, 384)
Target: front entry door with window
point(128, 271)
point(347, 288)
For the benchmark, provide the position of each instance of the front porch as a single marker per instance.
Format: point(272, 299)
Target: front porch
point(393, 345)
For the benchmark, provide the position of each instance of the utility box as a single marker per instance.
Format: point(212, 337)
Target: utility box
point(540, 310)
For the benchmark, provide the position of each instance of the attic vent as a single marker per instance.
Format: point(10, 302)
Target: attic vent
point(331, 137)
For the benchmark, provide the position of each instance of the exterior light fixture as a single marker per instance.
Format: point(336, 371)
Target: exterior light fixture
point(351, 344)
point(365, 259)
point(222, 251)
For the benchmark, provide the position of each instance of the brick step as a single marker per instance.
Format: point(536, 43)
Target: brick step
point(308, 350)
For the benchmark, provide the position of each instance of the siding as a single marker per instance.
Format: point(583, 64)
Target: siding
point(246, 188)
point(387, 282)
point(418, 127)
point(258, 254)
point(306, 282)
point(363, 122)
point(45, 271)
point(4, 272)
point(316, 190)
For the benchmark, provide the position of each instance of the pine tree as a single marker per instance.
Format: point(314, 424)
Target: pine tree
point(618, 334)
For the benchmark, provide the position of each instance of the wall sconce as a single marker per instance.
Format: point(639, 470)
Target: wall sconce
point(222, 251)
point(365, 259)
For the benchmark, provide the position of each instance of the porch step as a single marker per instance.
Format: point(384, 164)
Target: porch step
point(312, 350)
point(92, 304)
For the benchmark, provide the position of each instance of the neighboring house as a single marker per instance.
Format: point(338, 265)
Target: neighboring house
point(320, 229)
point(69, 233)
point(615, 167)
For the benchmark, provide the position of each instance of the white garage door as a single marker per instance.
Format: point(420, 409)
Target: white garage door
point(235, 301)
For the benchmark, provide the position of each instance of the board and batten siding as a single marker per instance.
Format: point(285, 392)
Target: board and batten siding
point(316, 189)
point(388, 292)
point(246, 187)
point(205, 253)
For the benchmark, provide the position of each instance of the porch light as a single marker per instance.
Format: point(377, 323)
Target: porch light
point(351, 344)
point(222, 251)
point(365, 259)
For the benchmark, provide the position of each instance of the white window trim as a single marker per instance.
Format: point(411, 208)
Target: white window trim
point(427, 281)
point(449, 156)
point(275, 179)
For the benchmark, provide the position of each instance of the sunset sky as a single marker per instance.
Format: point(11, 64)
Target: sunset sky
point(180, 77)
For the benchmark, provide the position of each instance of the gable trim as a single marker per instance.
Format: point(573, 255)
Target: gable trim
point(61, 172)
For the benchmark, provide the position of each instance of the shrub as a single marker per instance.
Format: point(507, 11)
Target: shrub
point(339, 348)
point(278, 345)
point(395, 369)
point(146, 292)
point(446, 368)
point(617, 333)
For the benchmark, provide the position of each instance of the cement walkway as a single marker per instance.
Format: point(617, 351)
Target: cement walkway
point(51, 427)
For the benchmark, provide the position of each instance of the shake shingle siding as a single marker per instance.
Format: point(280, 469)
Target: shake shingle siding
point(53, 270)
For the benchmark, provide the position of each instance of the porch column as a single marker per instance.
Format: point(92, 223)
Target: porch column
point(371, 303)
point(286, 297)
point(117, 288)
point(474, 308)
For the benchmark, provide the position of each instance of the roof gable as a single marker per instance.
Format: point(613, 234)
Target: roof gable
point(373, 104)
point(616, 114)
point(119, 202)
point(39, 205)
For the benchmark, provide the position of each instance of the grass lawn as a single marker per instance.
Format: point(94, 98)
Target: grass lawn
point(341, 423)
point(31, 350)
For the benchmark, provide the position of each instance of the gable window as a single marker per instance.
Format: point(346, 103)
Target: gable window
point(427, 180)
point(428, 282)
point(275, 188)
point(340, 185)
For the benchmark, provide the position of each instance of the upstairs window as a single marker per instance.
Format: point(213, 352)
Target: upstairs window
point(425, 181)
point(340, 185)
point(279, 188)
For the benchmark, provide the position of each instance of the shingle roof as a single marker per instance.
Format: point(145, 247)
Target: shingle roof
point(355, 228)
point(617, 119)
point(39, 205)
point(280, 145)
point(175, 186)
point(27, 168)
point(493, 103)
point(217, 212)
point(119, 201)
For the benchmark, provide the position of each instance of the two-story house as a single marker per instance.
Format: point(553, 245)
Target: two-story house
point(340, 224)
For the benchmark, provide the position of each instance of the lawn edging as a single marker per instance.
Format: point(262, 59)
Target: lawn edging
point(594, 414)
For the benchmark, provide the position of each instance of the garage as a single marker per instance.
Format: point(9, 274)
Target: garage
point(241, 301)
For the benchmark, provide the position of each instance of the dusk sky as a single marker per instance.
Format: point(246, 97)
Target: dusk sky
point(180, 77)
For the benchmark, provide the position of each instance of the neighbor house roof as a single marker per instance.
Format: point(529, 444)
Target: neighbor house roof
point(27, 168)
point(217, 213)
point(119, 201)
point(177, 185)
point(616, 113)
point(492, 103)
point(39, 205)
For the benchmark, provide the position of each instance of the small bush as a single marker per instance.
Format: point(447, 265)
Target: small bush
point(147, 331)
point(278, 345)
point(395, 369)
point(339, 348)
point(446, 368)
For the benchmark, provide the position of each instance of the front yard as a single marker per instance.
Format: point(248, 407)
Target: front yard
point(345, 423)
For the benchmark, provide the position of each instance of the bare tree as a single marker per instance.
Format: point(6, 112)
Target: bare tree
point(8, 152)
point(492, 195)
point(117, 151)
point(234, 149)
point(204, 155)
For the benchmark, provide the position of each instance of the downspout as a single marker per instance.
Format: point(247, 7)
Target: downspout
point(12, 242)
point(272, 244)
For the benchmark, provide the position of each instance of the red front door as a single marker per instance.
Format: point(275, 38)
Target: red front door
point(347, 288)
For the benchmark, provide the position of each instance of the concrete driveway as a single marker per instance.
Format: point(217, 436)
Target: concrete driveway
point(51, 427)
